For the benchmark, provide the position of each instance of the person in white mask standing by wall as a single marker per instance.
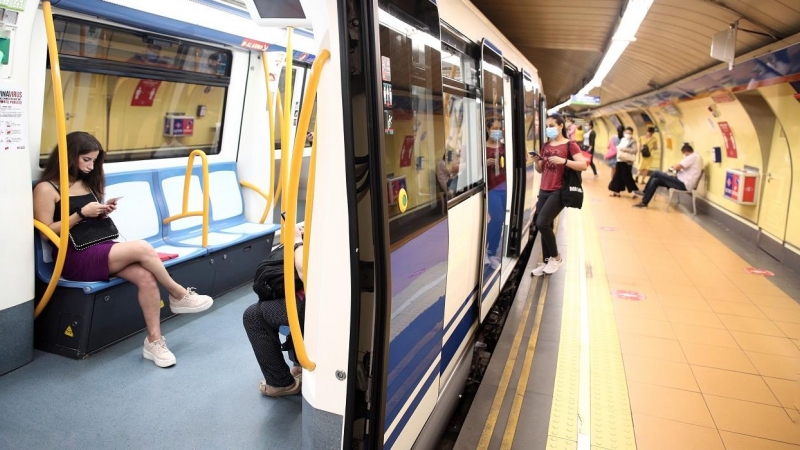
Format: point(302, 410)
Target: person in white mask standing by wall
point(626, 155)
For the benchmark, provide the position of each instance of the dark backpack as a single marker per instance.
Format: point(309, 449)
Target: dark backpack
point(645, 151)
point(268, 281)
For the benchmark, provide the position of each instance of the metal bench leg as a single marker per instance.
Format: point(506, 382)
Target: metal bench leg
point(669, 200)
point(694, 203)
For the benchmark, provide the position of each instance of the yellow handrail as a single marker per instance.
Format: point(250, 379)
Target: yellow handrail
point(285, 121)
point(271, 115)
point(186, 181)
point(255, 189)
point(312, 173)
point(63, 162)
point(290, 196)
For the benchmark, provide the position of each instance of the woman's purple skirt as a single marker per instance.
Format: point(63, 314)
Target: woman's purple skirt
point(90, 264)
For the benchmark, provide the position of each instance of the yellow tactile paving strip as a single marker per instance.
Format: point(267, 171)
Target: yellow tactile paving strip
point(590, 400)
point(709, 359)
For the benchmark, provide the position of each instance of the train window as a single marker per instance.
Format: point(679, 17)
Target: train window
point(141, 96)
point(411, 70)
point(282, 91)
point(463, 161)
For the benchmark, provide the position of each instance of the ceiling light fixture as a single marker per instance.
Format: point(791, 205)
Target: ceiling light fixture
point(634, 15)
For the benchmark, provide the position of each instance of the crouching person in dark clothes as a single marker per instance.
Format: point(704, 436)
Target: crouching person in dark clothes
point(261, 322)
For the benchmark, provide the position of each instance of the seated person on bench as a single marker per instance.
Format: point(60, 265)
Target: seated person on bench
point(687, 171)
point(262, 321)
point(135, 261)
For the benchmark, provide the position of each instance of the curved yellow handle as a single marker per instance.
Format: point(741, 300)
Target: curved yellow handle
point(271, 115)
point(312, 173)
point(206, 196)
point(293, 185)
point(63, 163)
point(285, 121)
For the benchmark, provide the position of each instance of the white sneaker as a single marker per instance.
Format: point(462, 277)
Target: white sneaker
point(553, 265)
point(158, 352)
point(539, 270)
point(192, 302)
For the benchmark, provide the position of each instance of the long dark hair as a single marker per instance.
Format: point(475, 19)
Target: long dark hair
point(79, 143)
point(560, 120)
point(620, 131)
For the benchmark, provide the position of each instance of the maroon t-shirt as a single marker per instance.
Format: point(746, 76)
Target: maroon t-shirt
point(553, 174)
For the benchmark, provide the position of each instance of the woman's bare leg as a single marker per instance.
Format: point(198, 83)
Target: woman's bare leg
point(124, 254)
point(149, 297)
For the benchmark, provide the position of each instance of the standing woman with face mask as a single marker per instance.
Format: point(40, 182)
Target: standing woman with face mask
point(626, 156)
point(496, 182)
point(552, 163)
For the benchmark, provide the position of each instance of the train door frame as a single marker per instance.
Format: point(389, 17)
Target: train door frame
point(514, 240)
point(489, 288)
point(772, 244)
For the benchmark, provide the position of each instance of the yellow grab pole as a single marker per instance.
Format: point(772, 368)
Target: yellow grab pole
point(292, 187)
point(270, 114)
point(279, 115)
point(312, 173)
point(285, 121)
point(206, 194)
point(63, 163)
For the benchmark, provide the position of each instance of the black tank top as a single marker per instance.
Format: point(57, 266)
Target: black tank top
point(75, 202)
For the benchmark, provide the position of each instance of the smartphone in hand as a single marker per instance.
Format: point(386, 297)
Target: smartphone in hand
point(113, 200)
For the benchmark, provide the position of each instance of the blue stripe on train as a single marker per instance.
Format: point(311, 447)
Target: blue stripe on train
point(411, 353)
point(411, 409)
point(156, 23)
point(458, 336)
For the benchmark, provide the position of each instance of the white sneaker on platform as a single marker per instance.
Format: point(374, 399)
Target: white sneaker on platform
point(158, 352)
point(553, 265)
point(539, 270)
point(192, 302)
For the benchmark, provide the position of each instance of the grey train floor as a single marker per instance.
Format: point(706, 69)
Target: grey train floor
point(117, 399)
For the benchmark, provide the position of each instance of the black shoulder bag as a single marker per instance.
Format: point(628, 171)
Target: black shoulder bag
point(571, 186)
point(645, 151)
point(92, 231)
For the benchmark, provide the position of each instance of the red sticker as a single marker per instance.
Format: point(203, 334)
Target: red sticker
point(754, 271)
point(145, 92)
point(628, 295)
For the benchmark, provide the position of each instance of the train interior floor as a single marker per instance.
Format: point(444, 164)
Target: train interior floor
point(651, 336)
point(117, 399)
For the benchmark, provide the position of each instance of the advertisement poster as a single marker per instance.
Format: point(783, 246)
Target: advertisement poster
point(407, 151)
point(730, 143)
point(732, 186)
point(13, 136)
point(393, 188)
point(386, 68)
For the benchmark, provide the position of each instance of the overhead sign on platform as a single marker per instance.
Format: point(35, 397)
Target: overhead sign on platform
point(585, 100)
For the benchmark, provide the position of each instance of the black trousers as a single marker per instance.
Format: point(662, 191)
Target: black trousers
point(261, 322)
point(623, 178)
point(658, 179)
point(548, 207)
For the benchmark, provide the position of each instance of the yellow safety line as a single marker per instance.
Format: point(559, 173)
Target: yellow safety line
point(563, 430)
point(522, 384)
point(612, 424)
point(590, 399)
point(494, 412)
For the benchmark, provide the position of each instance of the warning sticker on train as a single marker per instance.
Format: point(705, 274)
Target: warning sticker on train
point(402, 200)
point(628, 295)
point(754, 271)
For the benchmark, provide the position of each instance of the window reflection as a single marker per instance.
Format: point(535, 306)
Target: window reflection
point(414, 138)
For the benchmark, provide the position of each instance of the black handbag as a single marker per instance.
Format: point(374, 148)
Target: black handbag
point(645, 151)
point(572, 185)
point(92, 231)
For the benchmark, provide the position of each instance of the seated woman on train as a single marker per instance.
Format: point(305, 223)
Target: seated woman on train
point(262, 321)
point(135, 261)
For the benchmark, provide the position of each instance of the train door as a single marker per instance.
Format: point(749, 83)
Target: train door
point(496, 195)
point(395, 99)
point(530, 133)
point(509, 163)
point(776, 195)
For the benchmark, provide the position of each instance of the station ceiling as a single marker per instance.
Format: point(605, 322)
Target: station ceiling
point(566, 39)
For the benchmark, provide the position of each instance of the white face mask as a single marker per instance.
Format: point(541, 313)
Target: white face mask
point(628, 136)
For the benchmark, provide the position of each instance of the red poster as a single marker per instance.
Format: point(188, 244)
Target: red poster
point(145, 92)
point(730, 143)
point(407, 151)
point(254, 44)
point(749, 194)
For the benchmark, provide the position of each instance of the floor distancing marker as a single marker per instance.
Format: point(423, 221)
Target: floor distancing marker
point(563, 429)
point(522, 384)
